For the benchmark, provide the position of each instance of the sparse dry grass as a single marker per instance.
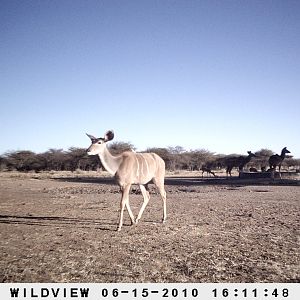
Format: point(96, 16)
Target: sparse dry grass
point(60, 227)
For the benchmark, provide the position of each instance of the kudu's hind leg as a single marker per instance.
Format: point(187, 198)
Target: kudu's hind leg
point(160, 185)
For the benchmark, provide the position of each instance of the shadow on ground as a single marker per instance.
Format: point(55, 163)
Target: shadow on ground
point(57, 222)
point(195, 180)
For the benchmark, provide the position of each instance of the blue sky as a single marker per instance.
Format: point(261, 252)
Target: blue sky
point(218, 75)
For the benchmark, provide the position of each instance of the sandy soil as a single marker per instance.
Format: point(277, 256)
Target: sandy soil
point(63, 229)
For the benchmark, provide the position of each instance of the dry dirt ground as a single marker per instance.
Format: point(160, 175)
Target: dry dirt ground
point(63, 229)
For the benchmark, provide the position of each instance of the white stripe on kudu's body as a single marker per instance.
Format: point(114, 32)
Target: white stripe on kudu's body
point(131, 168)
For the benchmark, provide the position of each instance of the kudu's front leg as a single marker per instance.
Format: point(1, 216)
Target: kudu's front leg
point(125, 202)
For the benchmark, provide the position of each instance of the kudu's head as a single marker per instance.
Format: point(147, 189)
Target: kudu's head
point(250, 154)
point(98, 144)
point(285, 151)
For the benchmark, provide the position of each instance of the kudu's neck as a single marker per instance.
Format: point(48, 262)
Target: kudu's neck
point(282, 154)
point(110, 162)
point(248, 158)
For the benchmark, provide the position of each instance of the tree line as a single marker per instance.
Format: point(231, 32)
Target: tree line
point(176, 158)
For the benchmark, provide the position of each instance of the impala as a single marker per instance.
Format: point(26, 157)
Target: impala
point(131, 168)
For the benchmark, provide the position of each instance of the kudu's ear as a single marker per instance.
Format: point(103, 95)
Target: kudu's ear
point(91, 137)
point(109, 135)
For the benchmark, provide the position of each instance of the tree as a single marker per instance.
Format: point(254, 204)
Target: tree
point(3, 163)
point(119, 147)
point(292, 162)
point(163, 153)
point(25, 161)
point(177, 159)
point(74, 155)
point(89, 163)
point(56, 159)
point(262, 159)
point(201, 157)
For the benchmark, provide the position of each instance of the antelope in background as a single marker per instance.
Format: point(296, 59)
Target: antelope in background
point(276, 160)
point(131, 168)
point(245, 160)
point(238, 161)
point(207, 170)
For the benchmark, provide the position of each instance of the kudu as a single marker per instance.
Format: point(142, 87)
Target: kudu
point(238, 161)
point(131, 168)
point(276, 160)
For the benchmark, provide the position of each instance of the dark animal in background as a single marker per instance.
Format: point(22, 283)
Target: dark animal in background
point(276, 160)
point(238, 161)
